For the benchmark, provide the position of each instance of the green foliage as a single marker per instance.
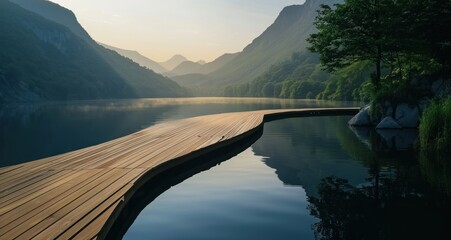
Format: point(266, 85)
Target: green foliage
point(346, 83)
point(393, 92)
point(402, 39)
point(435, 126)
point(276, 44)
point(352, 32)
point(289, 79)
point(302, 77)
point(43, 60)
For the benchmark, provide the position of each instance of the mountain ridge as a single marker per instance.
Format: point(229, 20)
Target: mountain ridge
point(173, 62)
point(190, 67)
point(51, 11)
point(277, 43)
point(284, 37)
point(138, 58)
point(58, 46)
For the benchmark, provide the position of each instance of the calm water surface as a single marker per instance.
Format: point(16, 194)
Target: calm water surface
point(305, 178)
point(308, 178)
point(33, 131)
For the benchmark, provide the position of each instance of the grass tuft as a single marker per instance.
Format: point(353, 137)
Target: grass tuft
point(435, 126)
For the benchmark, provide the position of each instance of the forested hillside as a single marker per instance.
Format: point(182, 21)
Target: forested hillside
point(56, 62)
point(268, 59)
point(137, 58)
point(302, 77)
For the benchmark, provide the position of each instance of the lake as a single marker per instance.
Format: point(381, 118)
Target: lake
point(53, 128)
point(304, 178)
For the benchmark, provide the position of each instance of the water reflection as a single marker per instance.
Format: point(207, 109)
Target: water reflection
point(33, 131)
point(239, 199)
point(436, 169)
point(355, 187)
point(29, 132)
point(305, 150)
point(391, 194)
point(401, 206)
point(156, 185)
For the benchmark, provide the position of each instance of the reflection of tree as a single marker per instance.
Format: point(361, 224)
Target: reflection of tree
point(437, 171)
point(396, 207)
point(340, 208)
point(395, 203)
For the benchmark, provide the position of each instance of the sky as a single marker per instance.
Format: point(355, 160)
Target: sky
point(159, 29)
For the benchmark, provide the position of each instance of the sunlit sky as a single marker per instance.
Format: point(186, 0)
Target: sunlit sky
point(159, 29)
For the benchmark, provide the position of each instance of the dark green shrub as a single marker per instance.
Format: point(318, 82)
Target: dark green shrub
point(435, 126)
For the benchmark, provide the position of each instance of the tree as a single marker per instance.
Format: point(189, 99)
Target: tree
point(352, 32)
point(400, 36)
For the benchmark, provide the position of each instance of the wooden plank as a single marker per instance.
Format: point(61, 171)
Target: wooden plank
point(40, 204)
point(93, 229)
point(51, 213)
point(86, 203)
point(27, 199)
point(73, 195)
point(18, 192)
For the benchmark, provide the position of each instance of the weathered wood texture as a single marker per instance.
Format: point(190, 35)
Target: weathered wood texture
point(76, 194)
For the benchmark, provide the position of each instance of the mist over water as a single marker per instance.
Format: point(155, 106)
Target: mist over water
point(53, 128)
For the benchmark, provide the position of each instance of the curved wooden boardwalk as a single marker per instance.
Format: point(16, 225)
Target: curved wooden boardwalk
point(79, 194)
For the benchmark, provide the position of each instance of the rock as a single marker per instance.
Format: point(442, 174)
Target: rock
point(388, 123)
point(407, 117)
point(362, 118)
point(388, 108)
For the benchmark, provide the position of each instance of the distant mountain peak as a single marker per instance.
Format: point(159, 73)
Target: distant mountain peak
point(138, 58)
point(201, 67)
point(178, 57)
point(173, 62)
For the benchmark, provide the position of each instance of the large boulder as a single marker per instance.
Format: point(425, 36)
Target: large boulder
point(388, 123)
point(362, 118)
point(406, 116)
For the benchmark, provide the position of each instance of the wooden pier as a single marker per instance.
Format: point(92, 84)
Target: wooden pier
point(77, 195)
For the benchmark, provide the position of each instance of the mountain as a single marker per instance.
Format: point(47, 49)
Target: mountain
point(276, 44)
point(219, 62)
point(189, 67)
point(137, 58)
point(55, 59)
point(186, 67)
point(55, 13)
point(196, 81)
point(173, 62)
point(201, 62)
point(302, 77)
